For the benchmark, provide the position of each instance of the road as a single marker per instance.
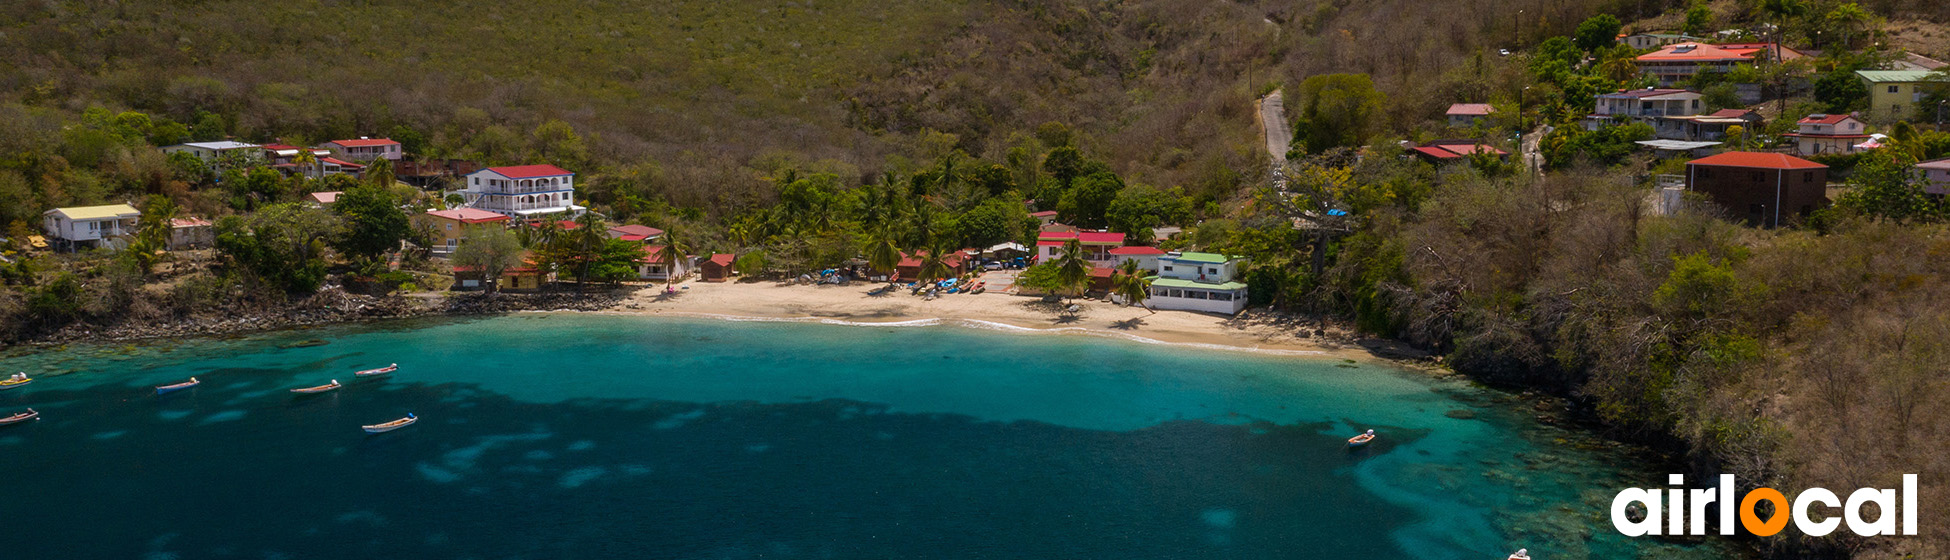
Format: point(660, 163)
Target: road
point(1272, 123)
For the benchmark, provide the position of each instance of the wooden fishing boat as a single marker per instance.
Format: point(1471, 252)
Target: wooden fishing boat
point(15, 383)
point(333, 386)
point(1521, 554)
point(1360, 440)
point(377, 371)
point(393, 425)
point(19, 417)
point(174, 387)
point(979, 288)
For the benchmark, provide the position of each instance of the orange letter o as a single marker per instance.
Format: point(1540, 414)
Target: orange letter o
point(1752, 522)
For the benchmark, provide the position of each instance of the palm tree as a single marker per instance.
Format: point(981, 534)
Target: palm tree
point(1132, 284)
point(304, 157)
point(380, 172)
point(1072, 270)
point(1781, 11)
point(934, 263)
point(1848, 17)
point(676, 247)
point(882, 254)
point(587, 239)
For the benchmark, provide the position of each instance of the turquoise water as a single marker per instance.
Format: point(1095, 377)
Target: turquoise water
point(595, 436)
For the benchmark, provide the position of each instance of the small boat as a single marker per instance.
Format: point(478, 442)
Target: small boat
point(167, 389)
point(377, 371)
point(17, 381)
point(979, 288)
point(1361, 440)
point(20, 417)
point(393, 425)
point(1521, 554)
point(333, 386)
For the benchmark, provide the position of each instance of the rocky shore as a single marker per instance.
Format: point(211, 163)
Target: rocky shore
point(331, 306)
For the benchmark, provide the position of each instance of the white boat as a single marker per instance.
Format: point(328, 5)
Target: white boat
point(174, 387)
point(20, 417)
point(377, 371)
point(333, 386)
point(1521, 554)
point(393, 425)
point(1360, 440)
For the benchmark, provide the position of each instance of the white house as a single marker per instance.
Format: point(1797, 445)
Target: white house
point(363, 149)
point(651, 265)
point(522, 190)
point(208, 151)
point(1198, 282)
point(1096, 245)
point(91, 226)
point(1828, 134)
point(1146, 257)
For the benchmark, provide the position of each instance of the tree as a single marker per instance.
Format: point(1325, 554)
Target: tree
point(1840, 91)
point(373, 220)
point(1087, 201)
point(882, 253)
point(493, 251)
point(152, 237)
point(1132, 284)
point(1887, 184)
point(1144, 207)
point(308, 161)
point(1338, 110)
point(1597, 32)
point(1072, 271)
point(1848, 18)
point(283, 244)
point(677, 247)
point(380, 172)
point(1699, 19)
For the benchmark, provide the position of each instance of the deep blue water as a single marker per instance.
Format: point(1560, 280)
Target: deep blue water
point(592, 436)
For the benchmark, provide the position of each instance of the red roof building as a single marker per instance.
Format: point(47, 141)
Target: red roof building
point(1465, 115)
point(1680, 61)
point(468, 215)
point(718, 268)
point(528, 171)
point(635, 232)
point(1455, 150)
point(1828, 134)
point(1763, 189)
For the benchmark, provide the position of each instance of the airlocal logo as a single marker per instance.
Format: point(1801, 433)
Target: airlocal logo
point(1679, 511)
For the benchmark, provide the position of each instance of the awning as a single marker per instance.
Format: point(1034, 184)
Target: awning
point(1010, 246)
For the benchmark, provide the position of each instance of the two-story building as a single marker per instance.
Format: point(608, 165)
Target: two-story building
point(1643, 41)
point(446, 228)
point(1828, 134)
point(523, 191)
point(1763, 189)
point(1208, 282)
point(86, 227)
point(1096, 245)
point(1635, 105)
point(1936, 176)
point(363, 149)
point(1678, 62)
point(1896, 94)
point(1708, 127)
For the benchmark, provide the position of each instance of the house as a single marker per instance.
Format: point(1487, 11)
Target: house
point(445, 228)
point(210, 151)
point(90, 226)
point(1896, 94)
point(1441, 151)
point(1643, 41)
point(1760, 188)
point(1096, 245)
point(1828, 134)
point(279, 155)
point(717, 268)
point(322, 199)
point(522, 190)
point(1056, 227)
point(363, 149)
point(1466, 115)
point(909, 267)
point(1649, 104)
point(1045, 217)
point(1936, 176)
point(651, 265)
point(1206, 282)
point(191, 233)
point(1678, 62)
point(524, 278)
point(1708, 127)
point(329, 165)
point(645, 234)
point(1146, 257)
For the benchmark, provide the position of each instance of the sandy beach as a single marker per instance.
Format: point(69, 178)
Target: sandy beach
point(852, 303)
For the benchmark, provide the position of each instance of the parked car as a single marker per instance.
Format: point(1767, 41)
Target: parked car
point(992, 265)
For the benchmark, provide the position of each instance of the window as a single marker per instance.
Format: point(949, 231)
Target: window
point(477, 181)
point(1167, 268)
point(1808, 176)
point(1895, 89)
point(1211, 271)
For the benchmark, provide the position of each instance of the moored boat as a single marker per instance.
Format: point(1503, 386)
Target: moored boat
point(979, 288)
point(174, 387)
point(17, 381)
point(377, 371)
point(1360, 440)
point(1521, 554)
point(334, 385)
point(393, 425)
point(19, 417)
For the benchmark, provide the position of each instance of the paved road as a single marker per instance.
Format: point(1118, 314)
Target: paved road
point(1272, 120)
point(1533, 155)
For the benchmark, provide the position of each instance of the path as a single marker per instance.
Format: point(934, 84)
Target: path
point(1272, 123)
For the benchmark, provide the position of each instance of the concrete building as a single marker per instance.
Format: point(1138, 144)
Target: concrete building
point(1763, 189)
point(90, 227)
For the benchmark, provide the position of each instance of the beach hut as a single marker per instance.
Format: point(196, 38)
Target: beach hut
point(718, 268)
